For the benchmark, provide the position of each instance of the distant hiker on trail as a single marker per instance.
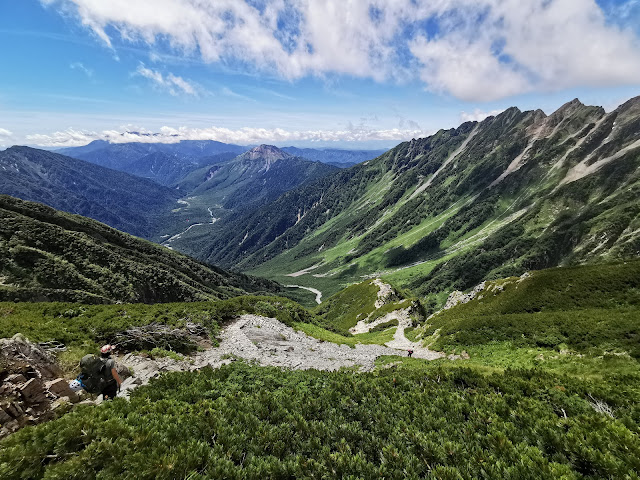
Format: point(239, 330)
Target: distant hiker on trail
point(409, 352)
point(99, 374)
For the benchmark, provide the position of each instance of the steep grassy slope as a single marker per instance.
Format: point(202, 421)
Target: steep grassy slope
point(49, 255)
point(515, 192)
point(125, 202)
point(592, 309)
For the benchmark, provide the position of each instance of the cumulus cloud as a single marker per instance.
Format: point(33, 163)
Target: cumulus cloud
point(243, 136)
point(478, 115)
point(5, 133)
point(173, 84)
point(474, 49)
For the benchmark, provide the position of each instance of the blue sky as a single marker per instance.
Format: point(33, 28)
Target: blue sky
point(357, 74)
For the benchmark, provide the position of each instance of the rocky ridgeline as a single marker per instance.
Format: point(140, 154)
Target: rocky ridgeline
point(33, 389)
point(386, 293)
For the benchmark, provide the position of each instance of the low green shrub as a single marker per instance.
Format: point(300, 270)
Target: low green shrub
point(247, 422)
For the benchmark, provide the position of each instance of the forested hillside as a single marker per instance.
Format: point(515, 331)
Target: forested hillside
point(50, 255)
point(128, 203)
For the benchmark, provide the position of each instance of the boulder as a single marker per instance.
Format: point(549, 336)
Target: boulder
point(16, 378)
point(33, 392)
point(13, 409)
point(4, 417)
point(60, 388)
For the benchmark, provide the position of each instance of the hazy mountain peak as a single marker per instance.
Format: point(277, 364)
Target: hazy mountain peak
point(269, 153)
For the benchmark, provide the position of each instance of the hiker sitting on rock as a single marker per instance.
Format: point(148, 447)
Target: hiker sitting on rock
point(99, 374)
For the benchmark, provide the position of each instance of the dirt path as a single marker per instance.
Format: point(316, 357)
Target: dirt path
point(313, 290)
point(270, 342)
point(400, 342)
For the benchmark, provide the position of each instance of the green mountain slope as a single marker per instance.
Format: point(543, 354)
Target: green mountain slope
point(50, 255)
point(593, 309)
point(125, 202)
point(514, 192)
point(575, 415)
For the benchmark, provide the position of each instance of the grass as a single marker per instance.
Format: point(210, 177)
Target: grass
point(344, 309)
point(591, 309)
point(162, 353)
point(316, 331)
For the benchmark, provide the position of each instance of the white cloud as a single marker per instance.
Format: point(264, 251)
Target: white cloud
point(243, 136)
point(478, 115)
point(227, 92)
point(5, 133)
point(479, 50)
point(80, 66)
point(172, 83)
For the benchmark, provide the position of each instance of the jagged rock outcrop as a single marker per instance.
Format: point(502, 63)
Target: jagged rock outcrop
point(457, 297)
point(33, 389)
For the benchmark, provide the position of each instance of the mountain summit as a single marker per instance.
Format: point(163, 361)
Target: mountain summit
point(267, 153)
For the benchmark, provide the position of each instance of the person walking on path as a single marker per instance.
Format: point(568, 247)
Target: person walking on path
point(410, 352)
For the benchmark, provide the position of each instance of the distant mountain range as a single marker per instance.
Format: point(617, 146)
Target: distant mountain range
point(518, 191)
point(334, 156)
point(515, 192)
point(165, 163)
point(50, 255)
point(126, 202)
point(169, 163)
point(257, 176)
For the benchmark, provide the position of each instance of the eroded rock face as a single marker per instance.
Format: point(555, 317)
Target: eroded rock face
point(32, 388)
point(457, 297)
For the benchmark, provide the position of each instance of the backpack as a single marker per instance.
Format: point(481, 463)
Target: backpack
point(94, 376)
